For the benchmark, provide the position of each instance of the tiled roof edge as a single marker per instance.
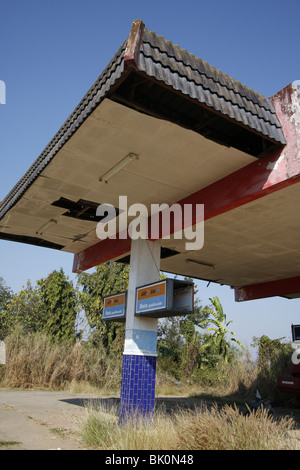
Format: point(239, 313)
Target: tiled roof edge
point(202, 67)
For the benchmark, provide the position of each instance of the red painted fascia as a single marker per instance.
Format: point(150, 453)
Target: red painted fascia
point(271, 173)
point(280, 287)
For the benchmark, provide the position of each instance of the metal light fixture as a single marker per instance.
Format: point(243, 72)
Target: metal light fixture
point(118, 167)
point(206, 265)
point(45, 226)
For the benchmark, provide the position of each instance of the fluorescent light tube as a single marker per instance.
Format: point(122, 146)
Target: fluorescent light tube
point(45, 226)
point(199, 262)
point(118, 167)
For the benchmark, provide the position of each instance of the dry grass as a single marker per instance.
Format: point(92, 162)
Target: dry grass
point(33, 361)
point(203, 429)
point(99, 429)
point(228, 429)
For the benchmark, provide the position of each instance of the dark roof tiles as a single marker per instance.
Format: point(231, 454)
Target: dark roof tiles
point(151, 40)
point(191, 76)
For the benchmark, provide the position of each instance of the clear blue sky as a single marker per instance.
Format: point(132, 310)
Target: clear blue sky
point(52, 52)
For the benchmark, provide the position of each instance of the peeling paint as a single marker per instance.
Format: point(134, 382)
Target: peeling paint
point(280, 287)
point(274, 165)
point(278, 171)
point(295, 107)
point(287, 106)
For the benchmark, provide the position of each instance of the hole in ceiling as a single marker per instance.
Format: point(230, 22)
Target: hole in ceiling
point(82, 209)
point(30, 240)
point(164, 253)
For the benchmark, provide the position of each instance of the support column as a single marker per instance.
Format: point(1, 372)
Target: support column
point(139, 357)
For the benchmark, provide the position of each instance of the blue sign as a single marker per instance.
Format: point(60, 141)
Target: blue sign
point(114, 307)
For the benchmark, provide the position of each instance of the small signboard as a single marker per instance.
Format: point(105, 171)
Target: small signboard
point(151, 297)
point(114, 307)
point(166, 298)
point(296, 333)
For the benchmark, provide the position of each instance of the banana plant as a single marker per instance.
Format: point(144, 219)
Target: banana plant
point(220, 330)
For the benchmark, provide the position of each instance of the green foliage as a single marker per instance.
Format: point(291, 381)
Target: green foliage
point(220, 330)
point(23, 310)
point(59, 304)
point(188, 354)
point(5, 296)
point(188, 351)
point(179, 344)
point(49, 307)
point(270, 351)
point(5, 293)
point(274, 359)
point(184, 351)
point(52, 304)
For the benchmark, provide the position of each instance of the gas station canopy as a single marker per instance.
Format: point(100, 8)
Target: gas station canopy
point(161, 126)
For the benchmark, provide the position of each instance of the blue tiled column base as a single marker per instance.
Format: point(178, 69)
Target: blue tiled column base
point(138, 386)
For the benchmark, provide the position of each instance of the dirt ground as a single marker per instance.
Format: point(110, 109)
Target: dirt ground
point(38, 420)
point(44, 420)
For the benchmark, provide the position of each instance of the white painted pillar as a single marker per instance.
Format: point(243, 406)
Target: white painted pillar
point(144, 269)
point(139, 358)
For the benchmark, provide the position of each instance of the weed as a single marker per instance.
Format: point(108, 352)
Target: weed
point(9, 443)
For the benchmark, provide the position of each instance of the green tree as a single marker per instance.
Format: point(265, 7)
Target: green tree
point(108, 278)
point(59, 303)
point(5, 293)
point(5, 296)
point(49, 307)
point(170, 338)
point(24, 309)
point(274, 359)
point(219, 320)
